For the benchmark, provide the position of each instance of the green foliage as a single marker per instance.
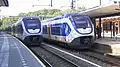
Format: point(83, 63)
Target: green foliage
point(73, 10)
point(42, 14)
point(57, 13)
point(21, 14)
point(7, 21)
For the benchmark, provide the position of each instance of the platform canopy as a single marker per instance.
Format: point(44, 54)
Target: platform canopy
point(103, 10)
point(4, 3)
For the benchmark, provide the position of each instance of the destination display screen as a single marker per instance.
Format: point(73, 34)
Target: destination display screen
point(32, 23)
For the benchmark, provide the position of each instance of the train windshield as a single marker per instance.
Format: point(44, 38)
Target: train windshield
point(32, 23)
point(81, 21)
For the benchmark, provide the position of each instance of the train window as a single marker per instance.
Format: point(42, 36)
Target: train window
point(14, 29)
point(19, 29)
point(33, 23)
point(65, 29)
point(62, 29)
point(55, 29)
point(81, 21)
point(45, 29)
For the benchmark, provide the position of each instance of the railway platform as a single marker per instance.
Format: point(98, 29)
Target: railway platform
point(108, 45)
point(14, 53)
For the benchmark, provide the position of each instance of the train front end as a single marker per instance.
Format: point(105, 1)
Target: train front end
point(84, 36)
point(33, 30)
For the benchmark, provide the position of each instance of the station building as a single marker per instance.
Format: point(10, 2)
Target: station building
point(110, 26)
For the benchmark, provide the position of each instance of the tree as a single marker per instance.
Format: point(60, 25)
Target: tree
point(57, 13)
point(22, 14)
point(0, 22)
point(42, 14)
point(7, 20)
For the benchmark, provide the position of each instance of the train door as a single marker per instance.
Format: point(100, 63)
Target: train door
point(49, 31)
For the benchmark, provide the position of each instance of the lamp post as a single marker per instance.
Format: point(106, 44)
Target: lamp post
point(73, 4)
point(51, 3)
point(100, 2)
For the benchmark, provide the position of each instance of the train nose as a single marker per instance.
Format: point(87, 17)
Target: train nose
point(34, 38)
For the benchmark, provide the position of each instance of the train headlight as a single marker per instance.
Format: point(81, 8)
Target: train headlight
point(89, 29)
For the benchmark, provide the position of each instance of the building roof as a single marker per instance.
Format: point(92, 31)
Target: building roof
point(103, 10)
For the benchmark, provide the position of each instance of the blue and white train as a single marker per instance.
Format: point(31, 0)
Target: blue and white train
point(27, 29)
point(73, 29)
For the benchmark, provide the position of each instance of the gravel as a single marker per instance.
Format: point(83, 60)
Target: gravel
point(54, 60)
point(86, 54)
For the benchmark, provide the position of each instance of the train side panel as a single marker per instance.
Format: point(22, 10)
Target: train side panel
point(66, 31)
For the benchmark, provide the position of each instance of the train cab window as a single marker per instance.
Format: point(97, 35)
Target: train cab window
point(81, 21)
point(32, 23)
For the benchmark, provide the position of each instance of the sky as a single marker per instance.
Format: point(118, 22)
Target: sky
point(25, 6)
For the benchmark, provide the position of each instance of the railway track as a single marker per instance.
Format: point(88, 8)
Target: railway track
point(94, 57)
point(71, 58)
point(53, 59)
point(41, 59)
point(62, 57)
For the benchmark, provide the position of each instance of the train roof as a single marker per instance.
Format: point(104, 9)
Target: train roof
point(63, 16)
point(72, 14)
point(29, 17)
point(104, 10)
